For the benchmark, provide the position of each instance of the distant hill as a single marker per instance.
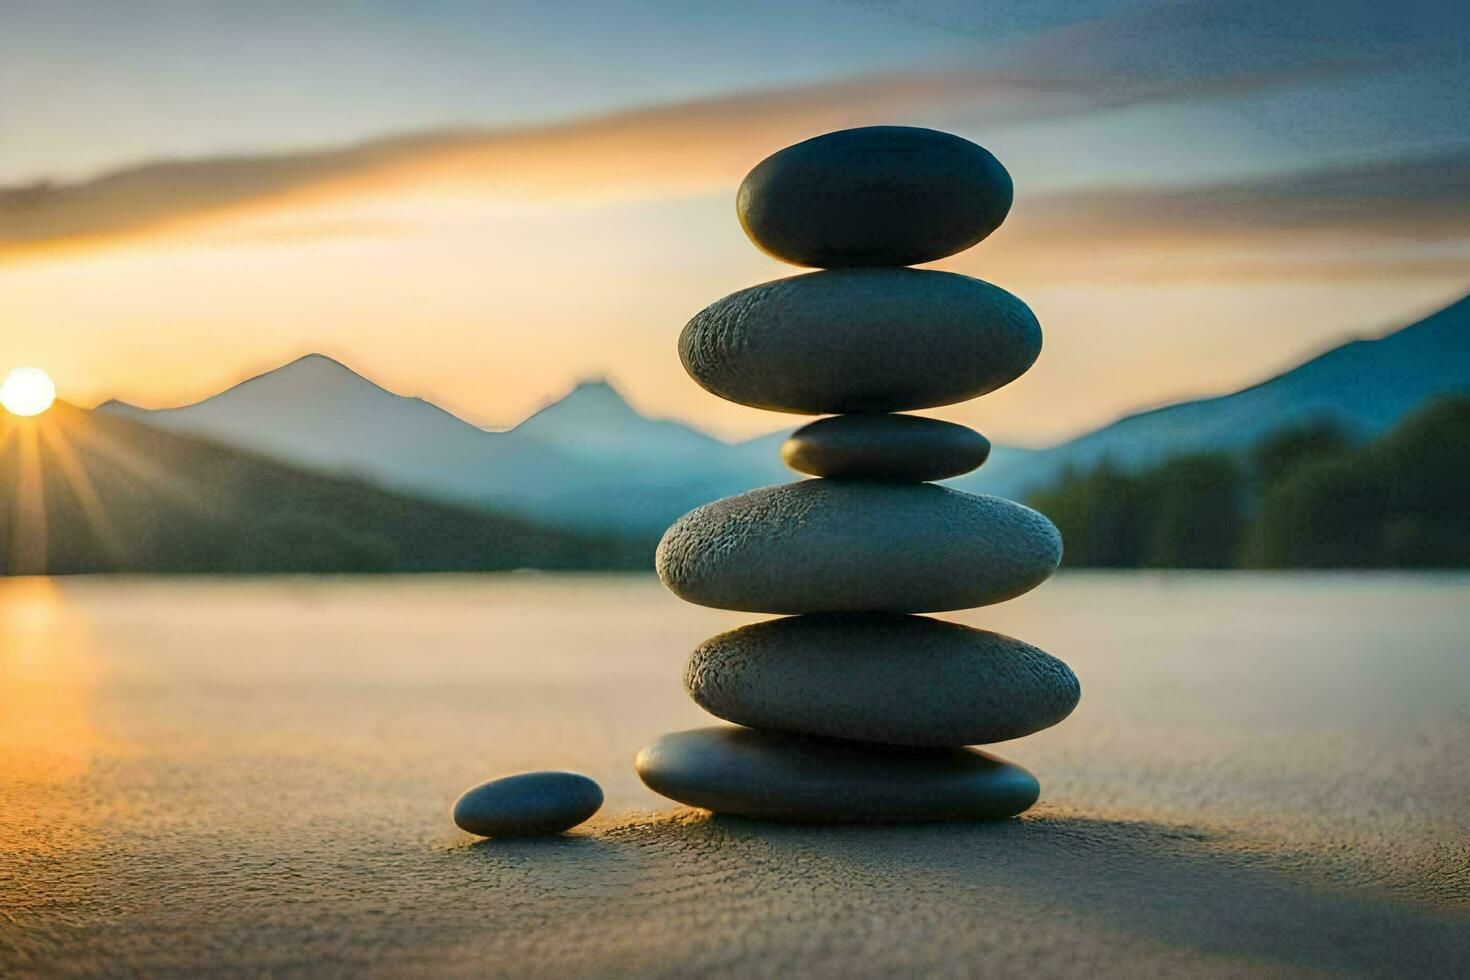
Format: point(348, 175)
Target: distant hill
point(587, 460)
point(1306, 496)
point(591, 461)
point(88, 492)
point(1365, 386)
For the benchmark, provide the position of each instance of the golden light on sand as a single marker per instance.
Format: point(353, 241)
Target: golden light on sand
point(27, 391)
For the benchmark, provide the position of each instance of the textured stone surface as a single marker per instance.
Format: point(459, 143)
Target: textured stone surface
point(860, 340)
point(890, 447)
point(793, 777)
point(899, 680)
point(528, 803)
point(880, 195)
point(856, 546)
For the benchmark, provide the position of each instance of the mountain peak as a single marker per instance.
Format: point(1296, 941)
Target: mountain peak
point(311, 385)
point(319, 365)
point(315, 358)
point(597, 387)
point(318, 382)
point(591, 402)
point(594, 420)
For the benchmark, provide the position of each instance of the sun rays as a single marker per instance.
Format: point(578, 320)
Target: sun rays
point(51, 462)
point(74, 473)
point(28, 536)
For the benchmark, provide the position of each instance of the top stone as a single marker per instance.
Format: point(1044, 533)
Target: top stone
point(876, 196)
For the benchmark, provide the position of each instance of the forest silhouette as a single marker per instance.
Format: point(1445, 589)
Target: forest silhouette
point(1308, 496)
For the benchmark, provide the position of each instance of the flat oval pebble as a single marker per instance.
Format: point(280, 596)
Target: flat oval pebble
point(529, 803)
point(899, 680)
point(884, 447)
point(795, 777)
point(856, 546)
point(860, 340)
point(880, 195)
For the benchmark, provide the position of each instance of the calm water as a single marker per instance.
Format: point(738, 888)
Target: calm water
point(148, 726)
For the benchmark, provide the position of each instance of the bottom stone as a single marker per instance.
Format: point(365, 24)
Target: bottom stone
point(796, 777)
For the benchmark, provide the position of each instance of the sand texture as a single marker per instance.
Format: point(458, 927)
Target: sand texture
point(1266, 775)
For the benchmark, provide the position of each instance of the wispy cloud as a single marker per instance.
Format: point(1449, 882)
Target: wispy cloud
point(1421, 198)
point(1403, 219)
point(1198, 51)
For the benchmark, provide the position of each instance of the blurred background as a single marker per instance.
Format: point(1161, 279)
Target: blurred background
point(364, 287)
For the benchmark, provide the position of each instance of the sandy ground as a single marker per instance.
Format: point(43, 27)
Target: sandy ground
point(1267, 775)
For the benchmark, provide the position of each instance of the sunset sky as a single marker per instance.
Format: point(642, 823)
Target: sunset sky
point(483, 203)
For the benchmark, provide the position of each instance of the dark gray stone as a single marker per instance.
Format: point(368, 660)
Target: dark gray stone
point(881, 195)
point(529, 803)
point(899, 680)
point(795, 777)
point(856, 546)
point(860, 340)
point(884, 447)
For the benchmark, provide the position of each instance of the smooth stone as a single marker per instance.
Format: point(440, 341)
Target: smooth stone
point(856, 546)
point(899, 680)
point(884, 447)
point(881, 195)
point(528, 803)
point(796, 777)
point(860, 340)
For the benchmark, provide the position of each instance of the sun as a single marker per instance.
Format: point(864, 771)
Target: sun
point(27, 391)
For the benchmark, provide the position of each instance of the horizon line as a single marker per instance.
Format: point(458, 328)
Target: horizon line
point(606, 378)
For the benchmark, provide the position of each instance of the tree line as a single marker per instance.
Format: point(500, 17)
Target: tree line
point(1308, 496)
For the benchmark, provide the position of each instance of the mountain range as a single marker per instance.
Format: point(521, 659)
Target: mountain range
point(87, 492)
point(1364, 386)
point(590, 461)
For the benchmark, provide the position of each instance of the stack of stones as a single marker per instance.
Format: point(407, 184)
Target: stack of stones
point(853, 708)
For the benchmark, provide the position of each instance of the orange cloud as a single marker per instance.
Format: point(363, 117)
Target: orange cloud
point(659, 150)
